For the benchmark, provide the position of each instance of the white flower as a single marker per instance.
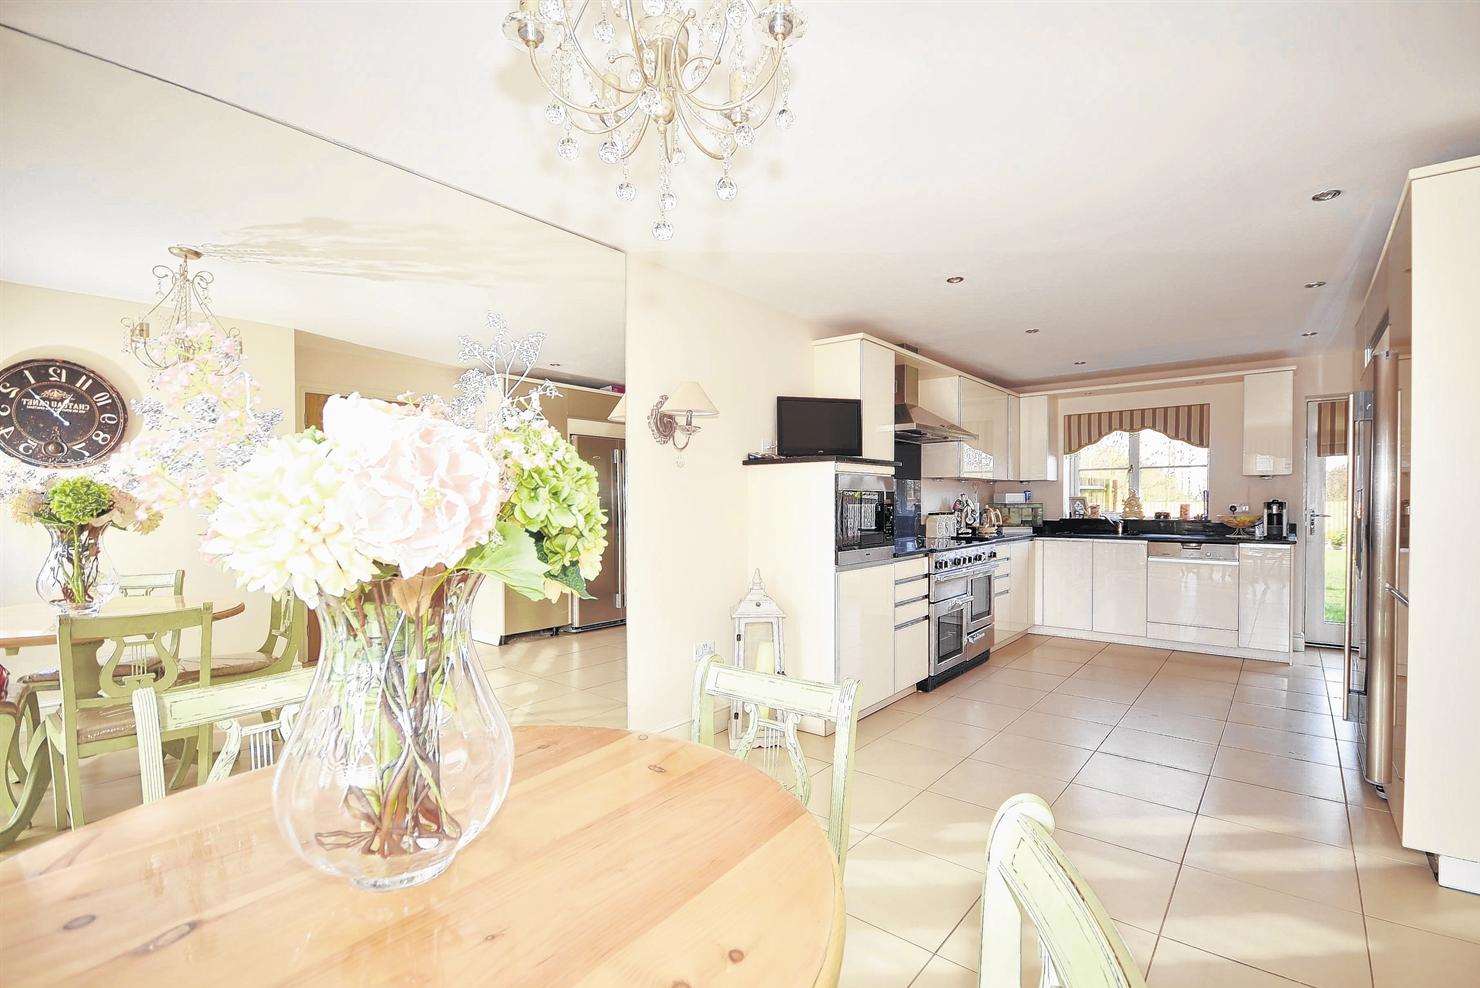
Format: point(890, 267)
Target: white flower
point(283, 523)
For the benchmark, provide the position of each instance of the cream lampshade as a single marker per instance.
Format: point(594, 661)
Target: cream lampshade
point(690, 400)
point(619, 411)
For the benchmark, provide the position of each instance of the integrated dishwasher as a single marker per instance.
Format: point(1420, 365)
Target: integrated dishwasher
point(1192, 592)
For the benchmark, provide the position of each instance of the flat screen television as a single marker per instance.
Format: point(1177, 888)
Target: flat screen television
point(819, 427)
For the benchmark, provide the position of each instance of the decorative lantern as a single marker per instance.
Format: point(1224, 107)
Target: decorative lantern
point(759, 643)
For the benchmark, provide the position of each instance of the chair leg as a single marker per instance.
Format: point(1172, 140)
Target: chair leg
point(204, 746)
point(58, 787)
point(184, 752)
point(72, 766)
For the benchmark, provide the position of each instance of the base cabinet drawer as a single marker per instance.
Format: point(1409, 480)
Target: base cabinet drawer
point(911, 654)
point(906, 613)
point(908, 569)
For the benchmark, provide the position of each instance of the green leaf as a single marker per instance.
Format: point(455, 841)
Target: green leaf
point(513, 561)
point(570, 576)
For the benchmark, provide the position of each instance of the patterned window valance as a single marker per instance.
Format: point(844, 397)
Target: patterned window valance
point(1189, 423)
point(1331, 427)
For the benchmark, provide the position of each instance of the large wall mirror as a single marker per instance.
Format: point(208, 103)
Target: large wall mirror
point(342, 272)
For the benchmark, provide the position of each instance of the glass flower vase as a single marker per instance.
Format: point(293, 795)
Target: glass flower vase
point(401, 754)
point(77, 577)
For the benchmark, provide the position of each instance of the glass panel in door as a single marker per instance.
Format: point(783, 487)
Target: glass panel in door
point(950, 636)
point(981, 601)
point(1324, 531)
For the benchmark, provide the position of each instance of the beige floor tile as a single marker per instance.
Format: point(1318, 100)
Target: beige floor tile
point(1375, 832)
point(1082, 708)
point(1126, 822)
point(1194, 706)
point(1179, 966)
point(1279, 772)
point(612, 691)
point(880, 723)
point(1143, 780)
point(854, 833)
point(1168, 683)
point(875, 959)
point(1011, 676)
point(1407, 893)
point(1349, 753)
point(499, 676)
point(1076, 644)
point(1277, 811)
point(906, 892)
point(615, 717)
point(1306, 747)
point(1098, 689)
point(1360, 792)
point(1055, 663)
point(1144, 664)
point(1004, 695)
point(964, 946)
point(1140, 943)
point(1302, 868)
point(946, 827)
point(1096, 670)
point(941, 973)
point(1287, 682)
point(871, 802)
point(1280, 719)
point(1295, 938)
point(1196, 665)
point(572, 707)
point(1312, 703)
point(1064, 730)
point(990, 785)
point(523, 694)
point(909, 764)
point(1059, 761)
point(977, 713)
point(1183, 726)
point(1403, 957)
point(1191, 756)
point(919, 703)
point(816, 746)
point(1147, 652)
point(938, 734)
point(1133, 886)
point(599, 674)
point(554, 663)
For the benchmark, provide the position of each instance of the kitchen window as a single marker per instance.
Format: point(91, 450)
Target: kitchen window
point(1167, 473)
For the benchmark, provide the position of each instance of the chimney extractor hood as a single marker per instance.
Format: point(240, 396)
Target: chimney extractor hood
point(913, 424)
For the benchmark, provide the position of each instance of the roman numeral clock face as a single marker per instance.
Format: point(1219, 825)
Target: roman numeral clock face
point(54, 413)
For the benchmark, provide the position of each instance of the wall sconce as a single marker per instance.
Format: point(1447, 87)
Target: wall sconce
point(672, 418)
point(619, 411)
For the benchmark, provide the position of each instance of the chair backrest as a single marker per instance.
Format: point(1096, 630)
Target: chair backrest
point(1028, 874)
point(772, 706)
point(93, 677)
point(156, 714)
point(286, 630)
point(148, 584)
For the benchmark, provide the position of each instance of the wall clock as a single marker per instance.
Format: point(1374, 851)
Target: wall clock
point(54, 413)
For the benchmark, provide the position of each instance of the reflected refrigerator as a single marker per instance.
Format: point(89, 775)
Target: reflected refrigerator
point(608, 591)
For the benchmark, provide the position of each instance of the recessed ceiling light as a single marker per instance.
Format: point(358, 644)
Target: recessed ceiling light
point(1307, 334)
point(955, 279)
point(1079, 363)
point(1325, 195)
point(1315, 284)
point(1030, 332)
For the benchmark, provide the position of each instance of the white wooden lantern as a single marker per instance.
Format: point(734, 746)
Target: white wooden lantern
point(759, 642)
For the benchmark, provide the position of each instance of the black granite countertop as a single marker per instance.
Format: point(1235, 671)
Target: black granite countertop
point(859, 460)
point(1205, 539)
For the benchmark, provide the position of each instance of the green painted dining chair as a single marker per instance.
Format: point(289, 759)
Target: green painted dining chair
point(27, 772)
point(148, 585)
point(96, 712)
point(275, 699)
point(1028, 875)
point(771, 708)
point(286, 630)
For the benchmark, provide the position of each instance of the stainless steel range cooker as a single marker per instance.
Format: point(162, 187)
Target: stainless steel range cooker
point(960, 610)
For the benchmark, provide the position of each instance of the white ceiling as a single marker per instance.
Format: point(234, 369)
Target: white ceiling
point(103, 169)
point(1134, 181)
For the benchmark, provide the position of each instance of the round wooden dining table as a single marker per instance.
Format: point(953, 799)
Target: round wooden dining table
point(618, 859)
point(24, 625)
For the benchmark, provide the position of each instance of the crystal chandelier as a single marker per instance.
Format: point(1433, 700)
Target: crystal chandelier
point(708, 78)
point(184, 304)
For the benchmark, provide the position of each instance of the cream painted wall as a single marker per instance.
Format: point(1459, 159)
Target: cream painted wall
point(686, 560)
point(36, 322)
point(328, 366)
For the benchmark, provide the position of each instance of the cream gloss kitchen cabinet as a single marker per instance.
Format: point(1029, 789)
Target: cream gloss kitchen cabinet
point(862, 369)
point(1033, 440)
point(1016, 617)
point(977, 408)
point(1119, 588)
point(1068, 583)
point(865, 631)
point(1265, 579)
point(1269, 423)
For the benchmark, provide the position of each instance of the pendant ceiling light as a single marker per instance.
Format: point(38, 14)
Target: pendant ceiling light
point(703, 76)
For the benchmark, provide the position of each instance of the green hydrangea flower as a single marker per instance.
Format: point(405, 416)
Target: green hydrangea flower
point(77, 501)
point(556, 497)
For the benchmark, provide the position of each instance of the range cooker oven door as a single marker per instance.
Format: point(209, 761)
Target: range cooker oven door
point(980, 611)
point(952, 641)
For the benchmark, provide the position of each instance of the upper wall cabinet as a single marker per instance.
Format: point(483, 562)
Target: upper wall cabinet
point(1269, 423)
point(977, 408)
point(863, 370)
point(1033, 434)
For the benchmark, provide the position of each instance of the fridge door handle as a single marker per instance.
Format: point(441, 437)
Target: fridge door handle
point(1354, 532)
point(618, 522)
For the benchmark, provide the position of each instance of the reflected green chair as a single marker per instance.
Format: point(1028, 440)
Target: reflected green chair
point(96, 713)
point(286, 631)
point(771, 707)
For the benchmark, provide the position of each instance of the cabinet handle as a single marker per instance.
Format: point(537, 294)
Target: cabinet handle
point(912, 600)
point(912, 579)
point(911, 624)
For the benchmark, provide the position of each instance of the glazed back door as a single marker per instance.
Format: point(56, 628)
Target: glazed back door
point(609, 603)
point(1324, 530)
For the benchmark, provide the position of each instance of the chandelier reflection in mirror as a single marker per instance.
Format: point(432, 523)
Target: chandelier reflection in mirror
point(707, 74)
point(184, 303)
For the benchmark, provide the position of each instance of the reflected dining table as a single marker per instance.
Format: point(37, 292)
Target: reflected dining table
point(618, 858)
point(23, 751)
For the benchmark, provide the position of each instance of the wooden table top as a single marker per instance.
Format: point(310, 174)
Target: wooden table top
point(618, 859)
point(22, 625)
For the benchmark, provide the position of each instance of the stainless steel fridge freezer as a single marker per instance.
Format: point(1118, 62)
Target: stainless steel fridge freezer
point(609, 590)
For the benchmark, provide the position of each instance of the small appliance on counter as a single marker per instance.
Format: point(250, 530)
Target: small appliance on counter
point(1274, 519)
point(940, 525)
